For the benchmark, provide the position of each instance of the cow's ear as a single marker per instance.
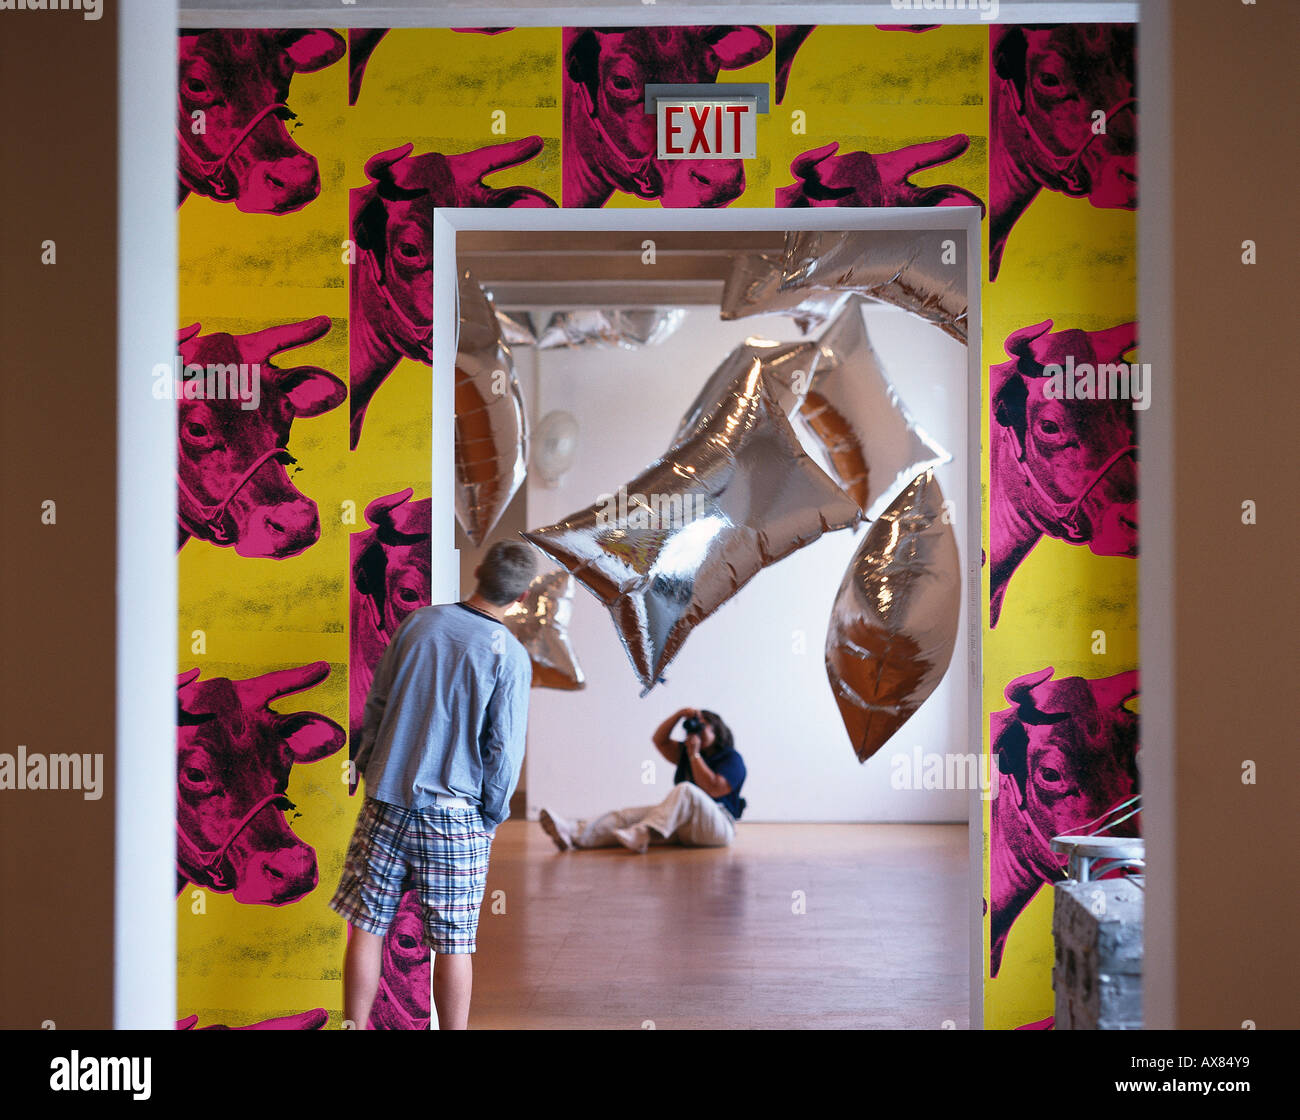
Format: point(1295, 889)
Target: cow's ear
point(368, 572)
point(1009, 409)
point(737, 47)
point(313, 50)
point(582, 62)
point(369, 228)
point(1011, 745)
point(310, 737)
point(1010, 55)
point(311, 391)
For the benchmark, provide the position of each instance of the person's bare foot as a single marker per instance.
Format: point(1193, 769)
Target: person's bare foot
point(635, 839)
point(558, 829)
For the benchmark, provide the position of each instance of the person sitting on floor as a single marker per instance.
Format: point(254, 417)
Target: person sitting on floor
point(700, 812)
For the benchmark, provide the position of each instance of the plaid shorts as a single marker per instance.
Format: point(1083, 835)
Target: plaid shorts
point(440, 852)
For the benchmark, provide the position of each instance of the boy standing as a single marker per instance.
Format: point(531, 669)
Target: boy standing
point(441, 749)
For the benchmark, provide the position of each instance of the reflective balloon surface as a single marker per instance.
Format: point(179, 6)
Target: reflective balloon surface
point(491, 421)
point(921, 271)
point(870, 440)
point(754, 288)
point(787, 369)
point(626, 328)
point(894, 623)
point(695, 526)
point(541, 623)
point(517, 328)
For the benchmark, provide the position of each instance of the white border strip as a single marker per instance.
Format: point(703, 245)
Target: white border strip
point(144, 916)
point(1156, 569)
point(641, 15)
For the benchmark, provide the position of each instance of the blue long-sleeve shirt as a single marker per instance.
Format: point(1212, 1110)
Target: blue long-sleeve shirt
point(447, 712)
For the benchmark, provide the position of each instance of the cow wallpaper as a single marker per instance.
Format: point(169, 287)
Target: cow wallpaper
point(308, 162)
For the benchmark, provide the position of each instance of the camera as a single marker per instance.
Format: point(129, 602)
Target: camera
point(692, 725)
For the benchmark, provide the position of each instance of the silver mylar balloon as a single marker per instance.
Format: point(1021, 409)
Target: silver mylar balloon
point(894, 623)
point(908, 269)
point(754, 288)
point(787, 371)
point(870, 440)
point(626, 328)
point(491, 422)
point(517, 328)
point(541, 623)
point(696, 525)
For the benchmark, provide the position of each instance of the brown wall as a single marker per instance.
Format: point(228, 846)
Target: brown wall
point(58, 338)
point(1234, 101)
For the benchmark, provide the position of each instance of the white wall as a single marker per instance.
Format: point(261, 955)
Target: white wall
point(587, 751)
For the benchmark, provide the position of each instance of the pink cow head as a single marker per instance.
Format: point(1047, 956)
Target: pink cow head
point(1064, 118)
point(233, 756)
point(402, 1003)
point(1062, 467)
point(390, 579)
point(823, 178)
point(236, 83)
point(391, 294)
point(232, 487)
point(1067, 755)
point(610, 140)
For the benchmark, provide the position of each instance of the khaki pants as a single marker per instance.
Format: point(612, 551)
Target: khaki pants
point(687, 816)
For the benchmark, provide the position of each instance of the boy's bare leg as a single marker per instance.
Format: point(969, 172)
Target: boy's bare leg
point(361, 964)
point(453, 978)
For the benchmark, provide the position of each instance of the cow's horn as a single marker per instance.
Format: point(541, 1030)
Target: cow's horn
point(380, 165)
point(1020, 691)
point(258, 692)
point(1118, 690)
point(186, 333)
point(184, 680)
point(805, 165)
point(1112, 344)
point(380, 509)
point(1021, 344)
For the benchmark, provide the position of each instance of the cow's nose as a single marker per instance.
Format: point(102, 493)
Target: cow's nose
point(277, 877)
point(278, 186)
point(705, 183)
point(280, 530)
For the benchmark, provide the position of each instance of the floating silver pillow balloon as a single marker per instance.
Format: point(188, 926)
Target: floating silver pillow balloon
point(541, 623)
point(625, 328)
point(871, 442)
point(517, 328)
point(695, 526)
point(787, 369)
point(754, 288)
point(491, 422)
point(894, 623)
point(921, 271)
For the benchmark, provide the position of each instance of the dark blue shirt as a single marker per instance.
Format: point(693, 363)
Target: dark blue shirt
point(726, 764)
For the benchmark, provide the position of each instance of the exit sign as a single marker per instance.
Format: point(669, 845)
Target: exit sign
point(707, 129)
point(706, 121)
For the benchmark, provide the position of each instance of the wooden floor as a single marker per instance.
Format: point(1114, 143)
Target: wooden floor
point(710, 938)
